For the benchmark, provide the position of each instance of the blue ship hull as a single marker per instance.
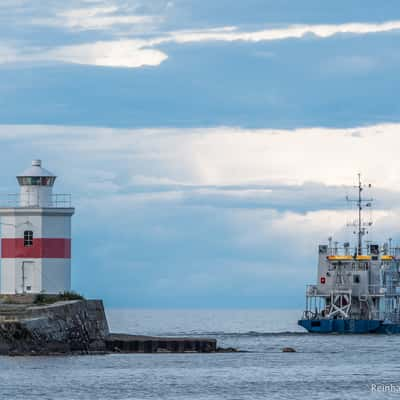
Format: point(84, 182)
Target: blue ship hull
point(349, 326)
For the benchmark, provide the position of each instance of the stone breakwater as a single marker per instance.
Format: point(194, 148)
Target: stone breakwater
point(62, 327)
point(78, 327)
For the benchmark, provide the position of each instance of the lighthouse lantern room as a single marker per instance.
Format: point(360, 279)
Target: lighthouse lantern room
point(36, 236)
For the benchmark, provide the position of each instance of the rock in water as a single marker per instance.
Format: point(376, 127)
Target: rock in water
point(288, 350)
point(226, 350)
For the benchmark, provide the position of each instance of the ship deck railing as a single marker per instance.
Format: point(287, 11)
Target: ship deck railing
point(384, 291)
point(312, 291)
point(352, 252)
point(373, 290)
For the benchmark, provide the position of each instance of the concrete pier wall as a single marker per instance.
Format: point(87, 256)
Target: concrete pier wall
point(78, 326)
point(149, 344)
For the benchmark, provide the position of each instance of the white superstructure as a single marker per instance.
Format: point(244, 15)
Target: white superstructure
point(357, 288)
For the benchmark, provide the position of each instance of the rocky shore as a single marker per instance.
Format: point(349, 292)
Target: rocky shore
point(79, 327)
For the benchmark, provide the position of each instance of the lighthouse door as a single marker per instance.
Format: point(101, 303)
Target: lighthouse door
point(27, 270)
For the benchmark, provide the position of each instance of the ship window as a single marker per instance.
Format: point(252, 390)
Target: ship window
point(28, 238)
point(356, 278)
point(315, 323)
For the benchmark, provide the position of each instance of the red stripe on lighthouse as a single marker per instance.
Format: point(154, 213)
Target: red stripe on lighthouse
point(41, 248)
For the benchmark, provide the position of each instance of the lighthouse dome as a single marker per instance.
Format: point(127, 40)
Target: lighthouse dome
point(36, 175)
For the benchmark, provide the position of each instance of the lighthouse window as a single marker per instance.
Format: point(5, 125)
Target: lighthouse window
point(28, 238)
point(48, 180)
point(29, 180)
point(36, 180)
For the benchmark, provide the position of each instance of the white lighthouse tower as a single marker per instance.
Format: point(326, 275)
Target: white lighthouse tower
point(36, 236)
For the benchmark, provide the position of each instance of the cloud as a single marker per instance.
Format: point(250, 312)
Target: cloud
point(8, 54)
point(229, 155)
point(139, 52)
point(194, 213)
point(179, 250)
point(105, 15)
point(229, 158)
point(94, 18)
point(230, 34)
point(121, 53)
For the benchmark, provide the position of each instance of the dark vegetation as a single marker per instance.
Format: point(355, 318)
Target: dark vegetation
point(52, 298)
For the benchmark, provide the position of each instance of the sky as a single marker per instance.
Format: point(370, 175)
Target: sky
point(208, 145)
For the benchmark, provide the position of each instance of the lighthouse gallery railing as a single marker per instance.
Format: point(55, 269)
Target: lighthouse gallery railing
point(56, 200)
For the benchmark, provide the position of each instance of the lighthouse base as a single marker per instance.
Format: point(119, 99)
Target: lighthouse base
point(77, 326)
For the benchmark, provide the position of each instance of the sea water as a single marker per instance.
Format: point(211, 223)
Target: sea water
point(323, 366)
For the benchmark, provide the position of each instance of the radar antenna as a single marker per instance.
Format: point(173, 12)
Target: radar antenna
point(359, 224)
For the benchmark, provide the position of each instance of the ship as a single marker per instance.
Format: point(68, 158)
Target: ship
point(358, 288)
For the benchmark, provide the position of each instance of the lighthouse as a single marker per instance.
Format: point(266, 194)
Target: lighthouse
point(36, 236)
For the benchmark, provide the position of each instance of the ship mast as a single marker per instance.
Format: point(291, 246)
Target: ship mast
point(360, 202)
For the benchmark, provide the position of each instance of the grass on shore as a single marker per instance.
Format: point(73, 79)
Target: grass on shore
point(49, 299)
